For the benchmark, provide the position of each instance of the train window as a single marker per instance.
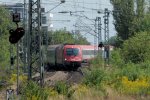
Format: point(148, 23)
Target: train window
point(88, 52)
point(72, 51)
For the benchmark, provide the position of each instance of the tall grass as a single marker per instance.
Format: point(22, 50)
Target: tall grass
point(128, 77)
point(32, 91)
point(125, 78)
point(64, 89)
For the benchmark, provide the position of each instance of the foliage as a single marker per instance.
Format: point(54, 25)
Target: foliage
point(123, 16)
point(13, 78)
point(135, 73)
point(144, 24)
point(32, 91)
point(145, 67)
point(79, 39)
point(113, 40)
point(84, 92)
point(81, 88)
point(137, 48)
point(128, 16)
point(63, 88)
point(62, 37)
point(116, 59)
point(131, 78)
point(95, 78)
point(97, 62)
point(138, 86)
point(5, 24)
point(132, 71)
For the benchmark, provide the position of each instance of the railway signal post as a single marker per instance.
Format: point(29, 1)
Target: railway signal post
point(15, 36)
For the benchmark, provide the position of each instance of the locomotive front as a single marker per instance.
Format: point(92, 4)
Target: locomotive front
point(72, 56)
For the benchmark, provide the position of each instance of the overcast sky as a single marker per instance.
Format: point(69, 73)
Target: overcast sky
point(86, 8)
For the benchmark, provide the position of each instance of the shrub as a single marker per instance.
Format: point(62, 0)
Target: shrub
point(116, 59)
point(139, 86)
point(137, 49)
point(95, 78)
point(61, 88)
point(132, 71)
point(97, 62)
point(64, 89)
point(13, 78)
point(32, 91)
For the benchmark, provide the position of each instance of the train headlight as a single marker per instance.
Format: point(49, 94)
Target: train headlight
point(65, 59)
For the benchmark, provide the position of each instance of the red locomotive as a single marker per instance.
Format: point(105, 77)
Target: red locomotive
point(69, 55)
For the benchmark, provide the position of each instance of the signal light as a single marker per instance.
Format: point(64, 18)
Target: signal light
point(16, 17)
point(62, 1)
point(12, 60)
point(101, 45)
point(16, 35)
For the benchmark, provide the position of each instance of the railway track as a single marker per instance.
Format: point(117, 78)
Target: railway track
point(75, 77)
point(69, 76)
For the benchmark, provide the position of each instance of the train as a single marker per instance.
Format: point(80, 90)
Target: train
point(88, 52)
point(69, 55)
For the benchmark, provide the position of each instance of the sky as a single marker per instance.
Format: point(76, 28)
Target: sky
point(84, 12)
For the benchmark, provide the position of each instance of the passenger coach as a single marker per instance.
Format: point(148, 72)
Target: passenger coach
point(88, 52)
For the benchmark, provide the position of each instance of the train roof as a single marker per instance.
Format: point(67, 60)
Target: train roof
point(53, 46)
point(88, 47)
point(72, 46)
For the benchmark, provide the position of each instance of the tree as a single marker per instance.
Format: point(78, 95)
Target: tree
point(113, 40)
point(79, 39)
point(136, 49)
point(62, 37)
point(5, 24)
point(144, 24)
point(126, 18)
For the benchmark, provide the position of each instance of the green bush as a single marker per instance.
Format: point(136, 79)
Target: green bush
point(137, 49)
point(116, 59)
point(131, 74)
point(33, 91)
point(132, 71)
point(97, 62)
point(95, 78)
point(64, 89)
point(61, 88)
point(144, 68)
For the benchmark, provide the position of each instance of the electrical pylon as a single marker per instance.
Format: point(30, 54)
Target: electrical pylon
point(106, 34)
point(34, 41)
point(98, 37)
point(106, 26)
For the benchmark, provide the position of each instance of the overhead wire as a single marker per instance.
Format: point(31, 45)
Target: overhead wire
point(18, 1)
point(74, 5)
point(71, 4)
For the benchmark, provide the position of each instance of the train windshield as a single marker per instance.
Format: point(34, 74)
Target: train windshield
point(72, 51)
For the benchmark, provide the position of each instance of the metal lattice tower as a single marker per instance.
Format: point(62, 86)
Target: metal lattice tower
point(25, 37)
point(106, 35)
point(98, 31)
point(106, 26)
point(34, 41)
point(95, 37)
